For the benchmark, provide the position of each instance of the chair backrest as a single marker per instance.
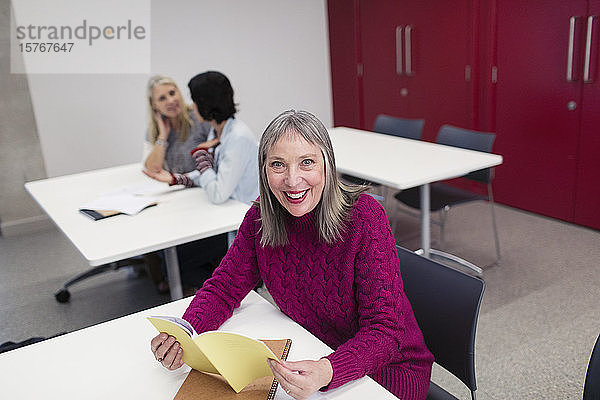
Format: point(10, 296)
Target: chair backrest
point(446, 304)
point(591, 390)
point(472, 140)
point(403, 127)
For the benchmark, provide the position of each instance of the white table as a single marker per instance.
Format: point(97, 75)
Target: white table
point(402, 163)
point(180, 216)
point(113, 360)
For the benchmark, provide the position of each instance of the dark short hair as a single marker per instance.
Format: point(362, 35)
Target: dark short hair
point(213, 95)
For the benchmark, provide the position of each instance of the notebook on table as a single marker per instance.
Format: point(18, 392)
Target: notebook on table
point(116, 203)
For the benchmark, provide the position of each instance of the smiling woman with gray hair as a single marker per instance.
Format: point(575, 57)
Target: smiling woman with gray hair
point(326, 253)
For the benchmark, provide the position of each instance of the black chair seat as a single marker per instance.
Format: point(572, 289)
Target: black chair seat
point(441, 196)
point(437, 393)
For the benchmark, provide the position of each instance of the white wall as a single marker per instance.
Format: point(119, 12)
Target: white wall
point(275, 52)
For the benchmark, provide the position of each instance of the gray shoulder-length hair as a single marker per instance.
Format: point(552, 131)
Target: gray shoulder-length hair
point(334, 208)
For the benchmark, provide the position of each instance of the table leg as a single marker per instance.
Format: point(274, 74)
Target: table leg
point(425, 220)
point(426, 249)
point(173, 273)
point(230, 238)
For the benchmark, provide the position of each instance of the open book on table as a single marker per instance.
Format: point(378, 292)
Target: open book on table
point(239, 359)
point(116, 203)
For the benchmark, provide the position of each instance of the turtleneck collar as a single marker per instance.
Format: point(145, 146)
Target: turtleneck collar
point(306, 222)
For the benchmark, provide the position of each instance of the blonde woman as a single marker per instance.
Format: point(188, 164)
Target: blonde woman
point(173, 129)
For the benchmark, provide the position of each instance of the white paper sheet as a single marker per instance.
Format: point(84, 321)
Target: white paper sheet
point(126, 203)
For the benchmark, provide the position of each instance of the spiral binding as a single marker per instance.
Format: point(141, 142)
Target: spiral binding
point(284, 356)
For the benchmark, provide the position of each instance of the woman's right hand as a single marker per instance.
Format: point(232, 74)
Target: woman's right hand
point(161, 175)
point(164, 125)
point(167, 351)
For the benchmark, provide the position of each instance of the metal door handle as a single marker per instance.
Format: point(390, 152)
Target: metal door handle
point(407, 49)
point(588, 49)
point(571, 50)
point(399, 50)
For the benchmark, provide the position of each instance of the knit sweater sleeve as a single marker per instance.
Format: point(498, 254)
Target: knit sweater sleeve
point(232, 280)
point(379, 297)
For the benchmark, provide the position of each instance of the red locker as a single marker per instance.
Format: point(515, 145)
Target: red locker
point(417, 61)
point(343, 53)
point(537, 107)
point(587, 195)
point(528, 70)
point(547, 97)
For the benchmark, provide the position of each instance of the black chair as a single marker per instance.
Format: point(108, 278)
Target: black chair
point(446, 304)
point(402, 127)
point(393, 126)
point(591, 390)
point(443, 196)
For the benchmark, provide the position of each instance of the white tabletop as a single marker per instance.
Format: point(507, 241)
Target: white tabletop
point(181, 216)
point(113, 360)
point(402, 163)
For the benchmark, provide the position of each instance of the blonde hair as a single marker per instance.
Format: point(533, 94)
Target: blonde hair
point(183, 120)
point(334, 208)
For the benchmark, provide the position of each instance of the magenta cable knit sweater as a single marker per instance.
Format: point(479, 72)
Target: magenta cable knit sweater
point(348, 294)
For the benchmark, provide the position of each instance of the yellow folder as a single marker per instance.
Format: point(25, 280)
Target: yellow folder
point(237, 358)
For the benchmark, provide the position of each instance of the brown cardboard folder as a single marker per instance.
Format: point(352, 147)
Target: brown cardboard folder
point(203, 386)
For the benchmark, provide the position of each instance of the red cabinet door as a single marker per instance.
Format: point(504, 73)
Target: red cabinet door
point(414, 56)
point(587, 195)
point(537, 109)
point(345, 83)
point(381, 79)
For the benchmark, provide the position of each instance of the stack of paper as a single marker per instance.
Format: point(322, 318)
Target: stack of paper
point(116, 203)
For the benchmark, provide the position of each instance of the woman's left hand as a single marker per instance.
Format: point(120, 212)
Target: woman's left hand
point(161, 176)
point(209, 143)
point(300, 379)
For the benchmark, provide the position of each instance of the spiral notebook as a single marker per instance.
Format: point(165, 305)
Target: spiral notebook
point(204, 386)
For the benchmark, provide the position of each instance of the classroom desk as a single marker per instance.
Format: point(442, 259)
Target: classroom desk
point(180, 216)
point(113, 360)
point(402, 163)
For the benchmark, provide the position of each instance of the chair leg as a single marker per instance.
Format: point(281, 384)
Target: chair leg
point(496, 238)
point(394, 218)
point(443, 216)
point(89, 273)
point(451, 257)
point(394, 226)
point(62, 295)
point(447, 256)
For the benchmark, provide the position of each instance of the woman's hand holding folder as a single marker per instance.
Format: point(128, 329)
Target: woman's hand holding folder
point(167, 351)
